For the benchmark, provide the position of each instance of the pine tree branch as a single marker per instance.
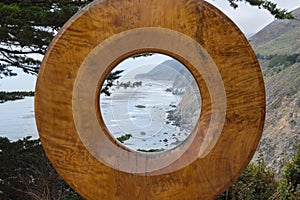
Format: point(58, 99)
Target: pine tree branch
point(18, 52)
point(265, 4)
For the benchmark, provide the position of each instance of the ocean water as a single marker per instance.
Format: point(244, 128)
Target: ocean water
point(142, 113)
point(148, 126)
point(17, 119)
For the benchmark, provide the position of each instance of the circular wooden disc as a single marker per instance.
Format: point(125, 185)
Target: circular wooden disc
point(103, 34)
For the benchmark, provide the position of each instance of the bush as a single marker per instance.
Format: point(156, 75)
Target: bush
point(256, 182)
point(289, 185)
point(286, 60)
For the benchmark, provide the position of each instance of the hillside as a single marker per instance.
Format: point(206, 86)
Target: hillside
point(280, 36)
point(278, 49)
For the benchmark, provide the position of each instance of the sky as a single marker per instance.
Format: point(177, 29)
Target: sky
point(140, 65)
point(249, 19)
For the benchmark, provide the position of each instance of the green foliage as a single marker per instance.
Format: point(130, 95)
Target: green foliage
point(124, 138)
point(26, 29)
point(256, 182)
point(285, 60)
point(286, 191)
point(268, 5)
point(10, 96)
point(276, 63)
point(109, 81)
point(289, 185)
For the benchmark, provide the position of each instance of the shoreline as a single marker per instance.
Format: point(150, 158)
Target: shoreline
point(15, 95)
point(149, 124)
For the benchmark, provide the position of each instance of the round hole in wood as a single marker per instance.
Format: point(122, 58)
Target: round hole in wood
point(150, 102)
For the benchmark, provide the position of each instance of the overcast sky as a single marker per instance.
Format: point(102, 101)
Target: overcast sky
point(249, 19)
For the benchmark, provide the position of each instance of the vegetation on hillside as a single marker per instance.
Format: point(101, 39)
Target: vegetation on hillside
point(258, 182)
point(275, 63)
point(280, 37)
point(276, 60)
point(289, 185)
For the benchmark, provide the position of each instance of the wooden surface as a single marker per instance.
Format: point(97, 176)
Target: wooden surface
point(195, 33)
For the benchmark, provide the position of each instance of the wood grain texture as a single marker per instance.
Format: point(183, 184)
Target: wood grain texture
point(62, 75)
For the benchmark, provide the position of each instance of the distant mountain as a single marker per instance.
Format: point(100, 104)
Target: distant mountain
point(280, 36)
point(167, 70)
point(278, 49)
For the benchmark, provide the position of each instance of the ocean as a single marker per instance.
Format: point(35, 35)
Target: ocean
point(142, 113)
point(17, 119)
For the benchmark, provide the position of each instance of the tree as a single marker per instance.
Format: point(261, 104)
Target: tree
point(109, 81)
point(26, 29)
point(265, 4)
point(28, 26)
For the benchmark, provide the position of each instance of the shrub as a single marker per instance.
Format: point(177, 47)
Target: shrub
point(286, 60)
point(256, 182)
point(289, 185)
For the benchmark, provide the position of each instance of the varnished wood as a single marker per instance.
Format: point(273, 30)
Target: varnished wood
point(211, 47)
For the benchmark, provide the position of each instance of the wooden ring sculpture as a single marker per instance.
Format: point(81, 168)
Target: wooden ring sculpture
point(106, 32)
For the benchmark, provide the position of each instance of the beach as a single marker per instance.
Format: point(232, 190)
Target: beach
point(142, 112)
